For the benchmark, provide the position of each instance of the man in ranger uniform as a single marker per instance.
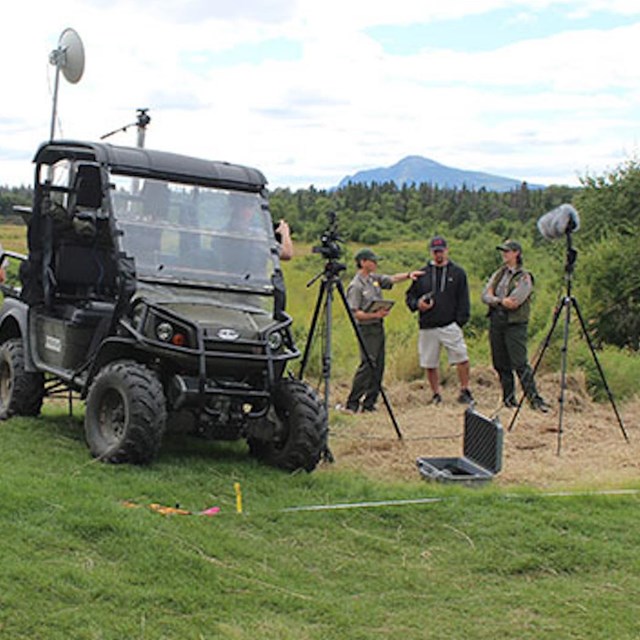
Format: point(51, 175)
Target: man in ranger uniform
point(365, 288)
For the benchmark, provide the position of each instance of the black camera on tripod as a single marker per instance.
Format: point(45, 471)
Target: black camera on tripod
point(330, 248)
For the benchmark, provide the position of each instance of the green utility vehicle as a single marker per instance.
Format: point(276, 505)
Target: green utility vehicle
point(153, 290)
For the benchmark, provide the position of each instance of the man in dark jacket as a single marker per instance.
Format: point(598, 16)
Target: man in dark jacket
point(441, 296)
point(508, 295)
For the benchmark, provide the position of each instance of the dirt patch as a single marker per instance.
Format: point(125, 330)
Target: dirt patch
point(593, 451)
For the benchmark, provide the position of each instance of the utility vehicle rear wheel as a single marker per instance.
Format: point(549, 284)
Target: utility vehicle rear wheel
point(21, 393)
point(126, 414)
point(301, 428)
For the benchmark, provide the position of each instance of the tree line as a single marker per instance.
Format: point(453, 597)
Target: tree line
point(609, 208)
point(608, 205)
point(13, 196)
point(379, 212)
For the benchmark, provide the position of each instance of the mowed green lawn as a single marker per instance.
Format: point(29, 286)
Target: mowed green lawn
point(85, 556)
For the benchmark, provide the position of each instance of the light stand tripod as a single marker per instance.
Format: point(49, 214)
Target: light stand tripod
point(567, 302)
point(330, 280)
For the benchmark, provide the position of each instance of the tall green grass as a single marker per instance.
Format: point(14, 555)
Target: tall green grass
point(402, 326)
point(477, 255)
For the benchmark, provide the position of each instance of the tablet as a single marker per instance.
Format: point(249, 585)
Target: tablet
point(376, 305)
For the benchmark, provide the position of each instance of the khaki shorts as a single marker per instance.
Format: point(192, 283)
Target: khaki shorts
point(430, 341)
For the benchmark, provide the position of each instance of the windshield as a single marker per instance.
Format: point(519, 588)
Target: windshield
point(195, 234)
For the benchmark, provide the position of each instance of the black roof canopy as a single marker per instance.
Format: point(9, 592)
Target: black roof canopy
point(148, 163)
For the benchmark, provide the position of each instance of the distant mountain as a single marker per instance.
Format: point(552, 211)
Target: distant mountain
point(416, 169)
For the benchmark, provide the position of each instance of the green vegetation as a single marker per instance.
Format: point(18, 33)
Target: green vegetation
point(479, 257)
point(384, 212)
point(14, 196)
point(611, 207)
point(399, 221)
point(85, 556)
point(78, 563)
point(608, 284)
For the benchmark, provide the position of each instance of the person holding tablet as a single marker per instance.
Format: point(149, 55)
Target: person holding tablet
point(364, 297)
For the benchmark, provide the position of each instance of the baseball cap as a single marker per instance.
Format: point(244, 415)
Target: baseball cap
point(510, 245)
point(367, 254)
point(438, 243)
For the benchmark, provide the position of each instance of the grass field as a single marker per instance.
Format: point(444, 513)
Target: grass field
point(85, 555)
point(78, 561)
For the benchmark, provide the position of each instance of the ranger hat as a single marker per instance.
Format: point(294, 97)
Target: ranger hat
point(510, 245)
point(367, 254)
point(438, 243)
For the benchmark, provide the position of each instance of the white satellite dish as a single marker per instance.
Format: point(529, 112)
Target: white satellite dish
point(68, 58)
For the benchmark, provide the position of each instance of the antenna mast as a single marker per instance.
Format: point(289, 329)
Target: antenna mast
point(141, 123)
point(68, 57)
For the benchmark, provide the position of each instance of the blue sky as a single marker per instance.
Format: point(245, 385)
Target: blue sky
point(490, 30)
point(546, 91)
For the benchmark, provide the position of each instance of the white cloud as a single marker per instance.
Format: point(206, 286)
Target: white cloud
point(541, 109)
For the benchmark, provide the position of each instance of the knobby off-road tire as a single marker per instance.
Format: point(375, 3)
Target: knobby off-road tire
point(21, 393)
point(125, 414)
point(301, 428)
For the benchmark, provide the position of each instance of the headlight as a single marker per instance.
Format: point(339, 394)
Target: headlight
point(163, 328)
point(164, 331)
point(274, 340)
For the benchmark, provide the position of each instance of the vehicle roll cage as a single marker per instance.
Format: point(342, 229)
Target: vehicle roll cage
point(161, 165)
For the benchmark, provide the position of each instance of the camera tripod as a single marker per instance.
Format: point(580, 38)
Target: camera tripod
point(566, 303)
point(330, 280)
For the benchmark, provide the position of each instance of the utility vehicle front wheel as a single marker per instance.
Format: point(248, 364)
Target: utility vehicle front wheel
point(21, 392)
point(301, 428)
point(126, 414)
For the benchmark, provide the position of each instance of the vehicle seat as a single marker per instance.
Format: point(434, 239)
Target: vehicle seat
point(88, 187)
point(84, 271)
point(86, 213)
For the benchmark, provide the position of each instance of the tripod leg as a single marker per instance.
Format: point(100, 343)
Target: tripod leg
point(325, 289)
point(538, 360)
point(312, 329)
point(599, 367)
point(371, 364)
point(563, 372)
point(326, 357)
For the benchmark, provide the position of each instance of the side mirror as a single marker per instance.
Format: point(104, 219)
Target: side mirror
point(24, 212)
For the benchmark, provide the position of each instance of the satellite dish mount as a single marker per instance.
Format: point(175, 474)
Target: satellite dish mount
point(68, 58)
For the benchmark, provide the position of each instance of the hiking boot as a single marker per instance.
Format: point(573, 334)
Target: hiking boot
point(465, 397)
point(510, 402)
point(436, 399)
point(538, 404)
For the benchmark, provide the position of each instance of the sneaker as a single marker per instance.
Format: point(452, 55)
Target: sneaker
point(436, 399)
point(465, 397)
point(538, 404)
point(342, 409)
